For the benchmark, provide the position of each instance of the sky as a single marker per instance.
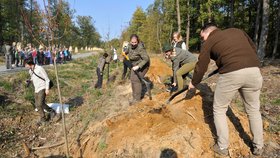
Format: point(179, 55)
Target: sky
point(109, 15)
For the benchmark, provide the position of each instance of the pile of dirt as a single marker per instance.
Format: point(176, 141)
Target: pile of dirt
point(185, 127)
point(109, 127)
point(158, 70)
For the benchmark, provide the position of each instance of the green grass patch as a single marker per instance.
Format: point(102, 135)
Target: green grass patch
point(102, 145)
point(276, 101)
point(8, 86)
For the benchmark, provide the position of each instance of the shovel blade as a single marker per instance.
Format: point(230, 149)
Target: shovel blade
point(190, 93)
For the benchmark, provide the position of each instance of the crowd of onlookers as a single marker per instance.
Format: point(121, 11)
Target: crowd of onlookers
point(41, 56)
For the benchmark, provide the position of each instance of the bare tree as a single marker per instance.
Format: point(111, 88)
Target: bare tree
point(209, 11)
point(231, 13)
point(264, 32)
point(188, 25)
point(257, 26)
point(178, 15)
point(274, 53)
point(158, 34)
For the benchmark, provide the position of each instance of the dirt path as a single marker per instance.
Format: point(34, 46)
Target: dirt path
point(4, 71)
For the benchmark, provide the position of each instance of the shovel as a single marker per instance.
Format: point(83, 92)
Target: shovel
point(189, 94)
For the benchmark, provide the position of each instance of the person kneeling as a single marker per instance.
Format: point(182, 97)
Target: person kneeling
point(182, 63)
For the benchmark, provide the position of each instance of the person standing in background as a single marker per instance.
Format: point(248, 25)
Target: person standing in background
point(178, 41)
point(7, 49)
point(100, 69)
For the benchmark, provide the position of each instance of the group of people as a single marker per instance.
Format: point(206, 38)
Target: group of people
point(15, 57)
point(238, 66)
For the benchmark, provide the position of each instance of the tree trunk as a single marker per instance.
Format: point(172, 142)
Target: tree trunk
point(257, 26)
point(264, 32)
point(31, 12)
point(1, 25)
point(158, 36)
point(251, 25)
point(227, 15)
point(231, 13)
point(178, 15)
point(274, 53)
point(209, 11)
point(188, 26)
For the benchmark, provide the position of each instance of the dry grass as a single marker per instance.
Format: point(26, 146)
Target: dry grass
point(77, 79)
point(2, 60)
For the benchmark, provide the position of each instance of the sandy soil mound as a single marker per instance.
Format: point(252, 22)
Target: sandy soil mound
point(158, 70)
point(185, 127)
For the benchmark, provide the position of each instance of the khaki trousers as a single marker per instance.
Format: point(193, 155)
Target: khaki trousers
point(247, 82)
point(186, 68)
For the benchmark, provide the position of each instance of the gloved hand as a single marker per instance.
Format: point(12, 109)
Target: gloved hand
point(191, 86)
point(135, 68)
point(125, 49)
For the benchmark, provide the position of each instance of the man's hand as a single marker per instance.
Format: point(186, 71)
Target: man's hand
point(135, 68)
point(47, 91)
point(191, 85)
point(101, 73)
point(174, 84)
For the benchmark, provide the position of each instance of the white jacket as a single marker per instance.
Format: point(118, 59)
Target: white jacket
point(38, 83)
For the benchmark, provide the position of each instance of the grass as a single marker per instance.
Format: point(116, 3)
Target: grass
point(2, 59)
point(6, 85)
point(76, 79)
point(102, 145)
point(276, 102)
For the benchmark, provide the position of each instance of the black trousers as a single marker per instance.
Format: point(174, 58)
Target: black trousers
point(99, 78)
point(41, 105)
point(136, 83)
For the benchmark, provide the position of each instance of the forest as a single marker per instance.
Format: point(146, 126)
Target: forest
point(55, 23)
point(258, 18)
point(51, 23)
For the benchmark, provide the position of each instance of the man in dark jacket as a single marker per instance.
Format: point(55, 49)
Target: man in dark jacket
point(182, 63)
point(100, 69)
point(236, 58)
